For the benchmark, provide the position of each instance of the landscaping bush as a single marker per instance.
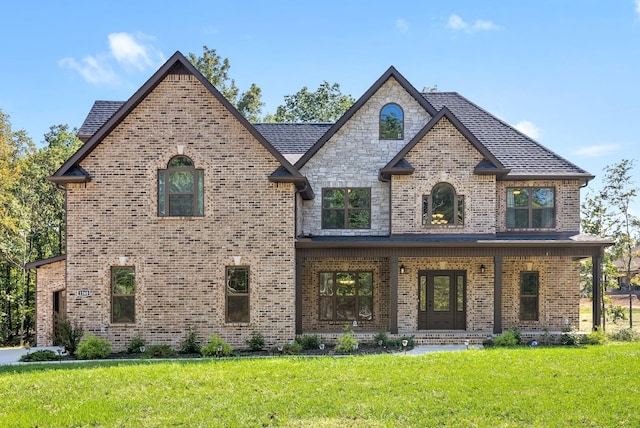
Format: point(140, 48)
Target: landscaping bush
point(68, 335)
point(256, 343)
point(40, 355)
point(309, 341)
point(211, 348)
point(292, 348)
point(136, 345)
point(624, 335)
point(397, 343)
point(381, 339)
point(191, 344)
point(346, 343)
point(569, 337)
point(596, 337)
point(159, 351)
point(508, 338)
point(92, 348)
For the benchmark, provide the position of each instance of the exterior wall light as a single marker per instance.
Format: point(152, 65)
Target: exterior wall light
point(482, 269)
point(402, 269)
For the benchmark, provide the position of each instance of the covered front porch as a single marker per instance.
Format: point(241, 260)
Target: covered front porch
point(445, 292)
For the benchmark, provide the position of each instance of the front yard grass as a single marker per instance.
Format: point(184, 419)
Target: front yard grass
point(556, 386)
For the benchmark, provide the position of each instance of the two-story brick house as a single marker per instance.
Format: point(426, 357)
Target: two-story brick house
point(415, 214)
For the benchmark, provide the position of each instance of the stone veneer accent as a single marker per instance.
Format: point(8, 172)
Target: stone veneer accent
point(180, 262)
point(50, 278)
point(354, 155)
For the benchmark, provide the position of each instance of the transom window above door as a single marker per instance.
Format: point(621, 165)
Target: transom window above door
point(180, 189)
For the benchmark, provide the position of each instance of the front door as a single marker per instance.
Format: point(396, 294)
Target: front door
point(441, 300)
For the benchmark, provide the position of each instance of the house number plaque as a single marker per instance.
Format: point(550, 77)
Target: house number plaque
point(83, 293)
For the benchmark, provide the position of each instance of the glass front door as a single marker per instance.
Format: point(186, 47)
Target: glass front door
point(441, 300)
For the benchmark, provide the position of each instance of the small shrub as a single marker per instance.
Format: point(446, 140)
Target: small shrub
point(616, 313)
point(309, 341)
point(508, 338)
point(292, 348)
point(397, 343)
point(92, 348)
point(191, 344)
point(68, 335)
point(159, 351)
point(136, 345)
point(596, 337)
point(256, 343)
point(346, 343)
point(40, 355)
point(624, 335)
point(569, 337)
point(211, 348)
point(381, 339)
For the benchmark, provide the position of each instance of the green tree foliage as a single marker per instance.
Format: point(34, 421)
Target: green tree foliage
point(31, 218)
point(216, 70)
point(608, 214)
point(325, 105)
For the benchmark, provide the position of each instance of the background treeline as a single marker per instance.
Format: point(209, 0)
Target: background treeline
point(32, 219)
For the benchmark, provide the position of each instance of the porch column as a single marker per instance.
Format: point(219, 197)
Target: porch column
point(596, 274)
point(497, 294)
point(298, 291)
point(393, 295)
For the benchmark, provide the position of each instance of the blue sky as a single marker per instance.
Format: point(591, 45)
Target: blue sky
point(564, 72)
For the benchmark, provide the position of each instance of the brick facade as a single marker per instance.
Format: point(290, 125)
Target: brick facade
point(180, 262)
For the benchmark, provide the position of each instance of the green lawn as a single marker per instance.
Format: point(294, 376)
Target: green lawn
point(589, 386)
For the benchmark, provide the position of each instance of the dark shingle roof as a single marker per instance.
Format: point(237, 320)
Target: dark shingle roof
point(100, 112)
point(517, 152)
point(292, 138)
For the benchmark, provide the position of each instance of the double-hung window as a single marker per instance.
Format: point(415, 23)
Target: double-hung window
point(123, 294)
point(530, 207)
point(237, 293)
point(346, 208)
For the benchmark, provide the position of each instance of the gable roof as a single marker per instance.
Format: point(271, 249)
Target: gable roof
point(292, 138)
point(398, 165)
point(524, 158)
point(391, 72)
point(176, 64)
point(100, 112)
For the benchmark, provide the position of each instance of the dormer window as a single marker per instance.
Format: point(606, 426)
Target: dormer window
point(391, 122)
point(443, 207)
point(180, 189)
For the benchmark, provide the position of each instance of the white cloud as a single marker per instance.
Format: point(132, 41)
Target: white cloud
point(597, 150)
point(403, 25)
point(131, 52)
point(528, 128)
point(93, 70)
point(456, 23)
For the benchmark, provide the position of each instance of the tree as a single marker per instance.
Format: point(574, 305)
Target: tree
point(326, 105)
point(620, 192)
point(31, 218)
point(216, 70)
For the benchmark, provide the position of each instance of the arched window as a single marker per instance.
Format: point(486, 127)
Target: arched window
point(391, 122)
point(443, 207)
point(180, 189)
